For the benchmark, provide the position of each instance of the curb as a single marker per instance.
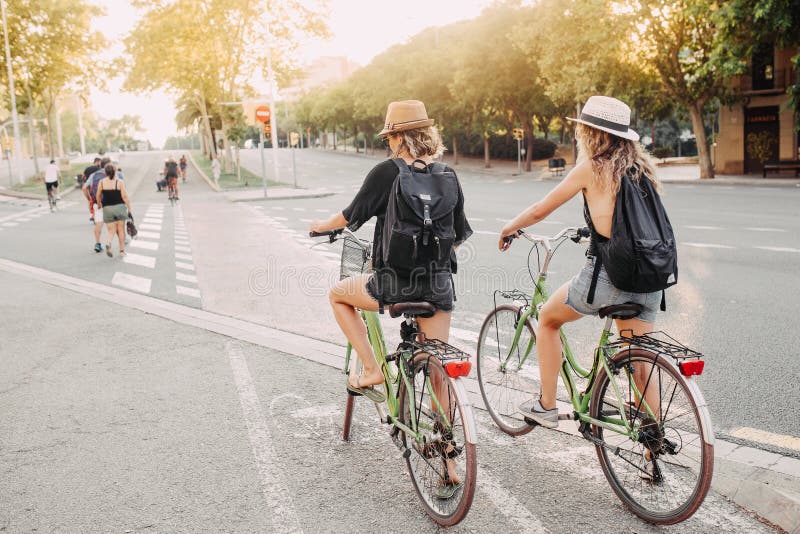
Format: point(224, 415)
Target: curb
point(208, 180)
point(33, 196)
point(286, 197)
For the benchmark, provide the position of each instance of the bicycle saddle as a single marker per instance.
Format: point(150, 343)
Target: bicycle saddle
point(628, 310)
point(412, 309)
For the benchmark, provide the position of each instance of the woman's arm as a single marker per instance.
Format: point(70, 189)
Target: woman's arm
point(577, 180)
point(332, 223)
point(99, 194)
point(124, 195)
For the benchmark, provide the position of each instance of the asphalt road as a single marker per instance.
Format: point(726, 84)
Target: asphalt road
point(120, 420)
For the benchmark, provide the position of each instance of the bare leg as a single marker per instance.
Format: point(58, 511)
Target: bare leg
point(121, 234)
point(554, 314)
point(345, 297)
point(641, 372)
point(111, 230)
point(438, 327)
point(98, 225)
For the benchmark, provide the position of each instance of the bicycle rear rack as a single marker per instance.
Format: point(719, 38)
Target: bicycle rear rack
point(659, 342)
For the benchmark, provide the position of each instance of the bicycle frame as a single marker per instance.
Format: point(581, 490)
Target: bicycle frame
point(391, 381)
point(570, 366)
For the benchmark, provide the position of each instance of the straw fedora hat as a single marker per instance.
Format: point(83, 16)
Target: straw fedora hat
point(405, 115)
point(607, 114)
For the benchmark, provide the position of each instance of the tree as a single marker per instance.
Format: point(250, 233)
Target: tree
point(680, 40)
point(51, 42)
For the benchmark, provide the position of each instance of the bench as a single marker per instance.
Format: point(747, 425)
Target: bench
point(779, 166)
point(556, 166)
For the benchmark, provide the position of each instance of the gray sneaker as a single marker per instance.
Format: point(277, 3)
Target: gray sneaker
point(534, 411)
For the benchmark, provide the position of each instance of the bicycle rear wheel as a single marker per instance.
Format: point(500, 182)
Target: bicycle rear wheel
point(507, 378)
point(664, 474)
point(444, 438)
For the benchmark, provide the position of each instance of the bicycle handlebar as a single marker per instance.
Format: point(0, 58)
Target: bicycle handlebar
point(572, 232)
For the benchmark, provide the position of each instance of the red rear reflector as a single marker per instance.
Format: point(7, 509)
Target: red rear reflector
point(692, 367)
point(456, 369)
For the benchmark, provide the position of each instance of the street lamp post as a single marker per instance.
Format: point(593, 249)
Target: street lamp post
point(271, 80)
point(14, 118)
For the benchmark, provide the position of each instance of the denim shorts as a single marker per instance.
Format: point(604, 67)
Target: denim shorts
point(605, 294)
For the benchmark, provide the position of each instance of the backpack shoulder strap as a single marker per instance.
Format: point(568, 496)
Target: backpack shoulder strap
point(401, 165)
point(438, 167)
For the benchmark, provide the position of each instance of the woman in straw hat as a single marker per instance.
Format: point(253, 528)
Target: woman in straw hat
point(411, 136)
point(608, 149)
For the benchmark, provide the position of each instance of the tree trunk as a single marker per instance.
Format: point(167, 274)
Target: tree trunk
point(696, 112)
point(227, 150)
point(344, 138)
point(563, 132)
point(653, 136)
point(455, 150)
point(334, 138)
point(486, 163)
point(528, 145)
point(212, 146)
point(355, 139)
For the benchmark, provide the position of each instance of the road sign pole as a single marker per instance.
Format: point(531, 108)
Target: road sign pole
point(263, 163)
point(294, 169)
point(519, 156)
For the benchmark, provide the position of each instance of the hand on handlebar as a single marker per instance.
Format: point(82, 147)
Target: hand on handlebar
point(507, 235)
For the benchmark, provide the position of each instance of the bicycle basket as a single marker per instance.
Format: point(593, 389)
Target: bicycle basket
point(355, 257)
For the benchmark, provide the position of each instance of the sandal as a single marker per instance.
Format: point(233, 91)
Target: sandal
point(446, 490)
point(369, 392)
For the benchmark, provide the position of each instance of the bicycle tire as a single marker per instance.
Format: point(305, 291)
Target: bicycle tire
point(681, 451)
point(421, 457)
point(503, 390)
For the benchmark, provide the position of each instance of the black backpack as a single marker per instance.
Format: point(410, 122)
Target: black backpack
point(641, 255)
point(419, 230)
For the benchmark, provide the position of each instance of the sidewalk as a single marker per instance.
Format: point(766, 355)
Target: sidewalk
point(669, 173)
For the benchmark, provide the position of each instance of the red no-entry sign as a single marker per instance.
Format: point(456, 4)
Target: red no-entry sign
point(262, 113)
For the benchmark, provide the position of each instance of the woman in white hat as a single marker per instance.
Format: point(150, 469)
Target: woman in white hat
point(608, 149)
point(411, 136)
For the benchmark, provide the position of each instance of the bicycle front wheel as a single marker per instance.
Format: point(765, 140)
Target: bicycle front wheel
point(662, 471)
point(441, 456)
point(508, 372)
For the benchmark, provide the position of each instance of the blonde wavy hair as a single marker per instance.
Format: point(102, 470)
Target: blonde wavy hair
point(612, 157)
point(420, 142)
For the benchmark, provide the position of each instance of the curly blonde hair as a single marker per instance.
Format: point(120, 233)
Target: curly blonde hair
point(420, 142)
point(612, 157)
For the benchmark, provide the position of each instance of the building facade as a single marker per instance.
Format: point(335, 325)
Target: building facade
point(761, 127)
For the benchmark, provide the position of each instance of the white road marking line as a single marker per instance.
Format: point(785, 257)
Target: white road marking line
point(298, 209)
point(184, 242)
point(189, 291)
point(138, 259)
point(321, 210)
point(705, 245)
point(10, 224)
point(306, 220)
point(486, 232)
point(156, 222)
point(779, 249)
point(22, 214)
point(770, 438)
point(700, 227)
point(279, 500)
point(465, 335)
point(154, 215)
point(182, 249)
point(129, 281)
point(26, 219)
point(279, 208)
point(507, 504)
point(184, 265)
point(477, 219)
point(146, 245)
point(148, 235)
point(187, 257)
point(156, 227)
point(183, 277)
point(280, 218)
point(759, 229)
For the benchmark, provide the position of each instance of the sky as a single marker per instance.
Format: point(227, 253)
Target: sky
point(360, 30)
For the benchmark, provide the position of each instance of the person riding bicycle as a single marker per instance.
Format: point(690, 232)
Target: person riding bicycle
point(51, 177)
point(607, 150)
point(171, 174)
point(183, 166)
point(412, 138)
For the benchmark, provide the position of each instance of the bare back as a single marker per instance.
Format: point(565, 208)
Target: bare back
point(601, 199)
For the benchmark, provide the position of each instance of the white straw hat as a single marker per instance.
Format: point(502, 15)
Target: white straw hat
point(608, 114)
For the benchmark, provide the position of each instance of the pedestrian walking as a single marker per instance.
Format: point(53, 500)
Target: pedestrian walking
point(87, 172)
point(113, 199)
point(215, 169)
point(90, 192)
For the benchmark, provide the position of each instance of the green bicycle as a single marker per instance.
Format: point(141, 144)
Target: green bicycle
point(640, 405)
point(428, 411)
